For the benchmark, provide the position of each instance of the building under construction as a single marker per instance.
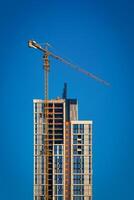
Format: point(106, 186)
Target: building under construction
point(62, 143)
point(69, 151)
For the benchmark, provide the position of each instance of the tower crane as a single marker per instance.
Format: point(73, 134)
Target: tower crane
point(46, 54)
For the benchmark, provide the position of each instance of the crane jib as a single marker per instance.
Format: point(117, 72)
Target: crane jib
point(33, 44)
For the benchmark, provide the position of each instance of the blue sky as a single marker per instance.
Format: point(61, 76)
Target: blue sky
point(96, 35)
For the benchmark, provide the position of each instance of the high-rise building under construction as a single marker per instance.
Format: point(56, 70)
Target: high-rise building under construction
point(69, 155)
point(62, 143)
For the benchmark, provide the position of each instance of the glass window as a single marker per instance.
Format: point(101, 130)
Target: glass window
point(35, 128)
point(35, 160)
point(78, 189)
point(42, 166)
point(58, 164)
point(35, 118)
point(43, 128)
point(35, 107)
point(82, 139)
point(43, 189)
point(90, 179)
point(43, 139)
point(42, 179)
point(89, 128)
point(75, 128)
point(78, 164)
point(75, 149)
point(90, 164)
point(35, 139)
point(90, 139)
point(42, 107)
point(81, 127)
point(35, 164)
point(59, 198)
point(78, 179)
point(58, 189)
point(90, 149)
point(58, 179)
point(75, 139)
point(35, 179)
point(78, 128)
point(35, 148)
point(58, 149)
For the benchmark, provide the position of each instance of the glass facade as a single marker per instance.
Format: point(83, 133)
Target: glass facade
point(81, 161)
point(58, 172)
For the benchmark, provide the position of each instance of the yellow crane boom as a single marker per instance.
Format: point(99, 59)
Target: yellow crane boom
point(33, 44)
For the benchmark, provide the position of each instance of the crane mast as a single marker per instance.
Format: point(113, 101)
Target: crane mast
point(48, 153)
point(47, 144)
